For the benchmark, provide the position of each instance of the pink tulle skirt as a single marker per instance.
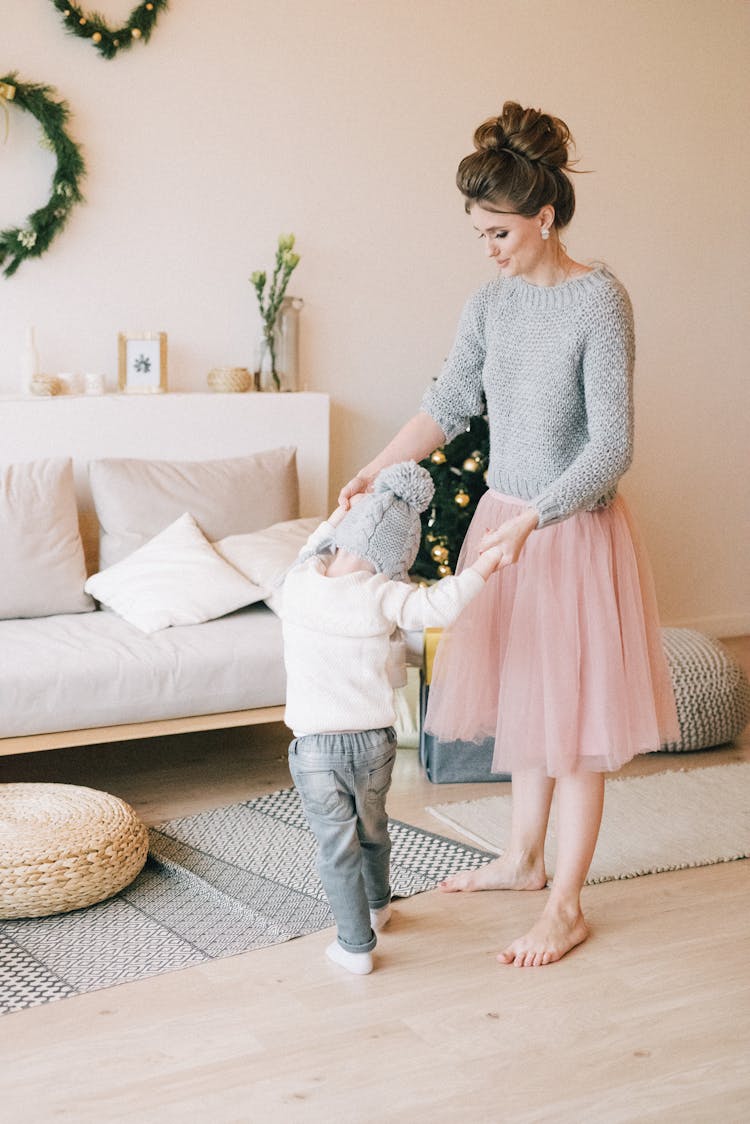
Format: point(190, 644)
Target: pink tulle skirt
point(560, 657)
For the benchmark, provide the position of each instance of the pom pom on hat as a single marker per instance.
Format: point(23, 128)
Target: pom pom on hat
point(384, 526)
point(408, 482)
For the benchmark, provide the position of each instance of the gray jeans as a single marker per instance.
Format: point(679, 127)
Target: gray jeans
point(343, 780)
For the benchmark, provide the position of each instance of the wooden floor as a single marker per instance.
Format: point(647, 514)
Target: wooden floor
point(648, 1021)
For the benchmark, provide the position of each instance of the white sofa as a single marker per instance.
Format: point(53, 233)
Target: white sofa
point(81, 677)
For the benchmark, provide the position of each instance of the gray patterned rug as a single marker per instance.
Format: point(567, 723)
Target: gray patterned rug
point(216, 884)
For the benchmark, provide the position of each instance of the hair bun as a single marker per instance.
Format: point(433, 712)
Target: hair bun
point(528, 132)
point(408, 482)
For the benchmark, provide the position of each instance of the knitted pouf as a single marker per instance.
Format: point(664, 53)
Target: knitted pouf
point(64, 847)
point(710, 688)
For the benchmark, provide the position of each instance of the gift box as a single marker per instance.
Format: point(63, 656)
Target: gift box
point(450, 762)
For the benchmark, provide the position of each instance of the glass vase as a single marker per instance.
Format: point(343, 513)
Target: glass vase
point(286, 350)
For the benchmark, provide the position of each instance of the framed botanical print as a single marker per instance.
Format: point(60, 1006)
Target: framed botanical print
point(142, 362)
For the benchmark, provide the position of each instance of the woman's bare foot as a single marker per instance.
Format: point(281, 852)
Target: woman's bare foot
point(509, 872)
point(555, 933)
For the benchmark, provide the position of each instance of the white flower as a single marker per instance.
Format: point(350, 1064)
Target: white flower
point(64, 189)
point(27, 238)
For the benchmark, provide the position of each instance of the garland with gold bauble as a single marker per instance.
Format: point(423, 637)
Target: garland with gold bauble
point(33, 238)
point(109, 40)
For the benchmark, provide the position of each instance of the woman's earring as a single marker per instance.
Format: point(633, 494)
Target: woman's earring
point(545, 233)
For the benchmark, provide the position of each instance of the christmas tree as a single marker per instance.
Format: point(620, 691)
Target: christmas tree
point(459, 471)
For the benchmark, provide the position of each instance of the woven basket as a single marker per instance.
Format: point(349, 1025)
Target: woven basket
point(230, 379)
point(45, 386)
point(64, 847)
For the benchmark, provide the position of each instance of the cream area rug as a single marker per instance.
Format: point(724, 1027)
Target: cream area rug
point(665, 821)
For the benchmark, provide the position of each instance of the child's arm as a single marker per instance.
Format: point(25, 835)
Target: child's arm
point(322, 532)
point(438, 605)
point(336, 516)
point(488, 561)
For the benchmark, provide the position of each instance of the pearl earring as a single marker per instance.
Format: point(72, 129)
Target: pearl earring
point(545, 233)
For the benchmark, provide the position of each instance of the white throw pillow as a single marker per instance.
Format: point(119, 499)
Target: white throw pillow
point(177, 578)
point(265, 556)
point(42, 569)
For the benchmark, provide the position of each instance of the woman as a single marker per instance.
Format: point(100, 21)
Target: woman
point(560, 657)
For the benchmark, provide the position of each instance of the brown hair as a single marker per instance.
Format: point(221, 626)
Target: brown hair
point(520, 161)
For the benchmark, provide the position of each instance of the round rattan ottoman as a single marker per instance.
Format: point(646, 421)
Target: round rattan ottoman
point(64, 847)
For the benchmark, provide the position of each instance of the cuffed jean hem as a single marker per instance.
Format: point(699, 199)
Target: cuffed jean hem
point(381, 903)
point(367, 947)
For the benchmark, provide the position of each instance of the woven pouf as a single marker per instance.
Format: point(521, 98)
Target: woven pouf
point(710, 688)
point(64, 847)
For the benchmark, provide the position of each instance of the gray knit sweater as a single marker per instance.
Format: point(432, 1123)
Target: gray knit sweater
point(553, 369)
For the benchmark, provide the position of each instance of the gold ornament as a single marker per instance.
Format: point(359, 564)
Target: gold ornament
point(107, 39)
point(439, 553)
point(471, 464)
point(462, 499)
point(444, 570)
point(438, 457)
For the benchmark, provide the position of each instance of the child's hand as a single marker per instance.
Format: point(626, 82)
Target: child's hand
point(491, 559)
point(494, 557)
point(336, 516)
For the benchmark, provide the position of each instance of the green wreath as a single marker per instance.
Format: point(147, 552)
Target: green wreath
point(33, 238)
point(107, 40)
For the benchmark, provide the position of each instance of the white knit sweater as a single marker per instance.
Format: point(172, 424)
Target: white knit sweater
point(553, 369)
point(337, 640)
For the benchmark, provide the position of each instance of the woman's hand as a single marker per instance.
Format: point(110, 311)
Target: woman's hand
point(510, 536)
point(360, 483)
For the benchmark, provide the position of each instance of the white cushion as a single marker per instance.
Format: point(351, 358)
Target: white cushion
point(42, 569)
point(175, 579)
point(136, 499)
point(265, 556)
point(114, 673)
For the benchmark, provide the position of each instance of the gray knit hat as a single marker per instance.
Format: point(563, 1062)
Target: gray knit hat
point(384, 527)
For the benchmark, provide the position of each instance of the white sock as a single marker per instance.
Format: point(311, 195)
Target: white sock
point(379, 918)
point(360, 963)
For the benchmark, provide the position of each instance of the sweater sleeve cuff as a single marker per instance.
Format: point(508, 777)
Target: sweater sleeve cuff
point(450, 426)
point(549, 510)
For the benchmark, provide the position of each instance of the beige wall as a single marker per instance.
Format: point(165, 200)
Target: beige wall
point(344, 121)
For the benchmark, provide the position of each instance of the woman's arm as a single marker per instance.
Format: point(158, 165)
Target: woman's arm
point(414, 441)
point(448, 405)
point(607, 369)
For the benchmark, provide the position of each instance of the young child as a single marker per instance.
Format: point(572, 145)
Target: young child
point(342, 601)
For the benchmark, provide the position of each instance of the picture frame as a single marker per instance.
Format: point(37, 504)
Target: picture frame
point(142, 362)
